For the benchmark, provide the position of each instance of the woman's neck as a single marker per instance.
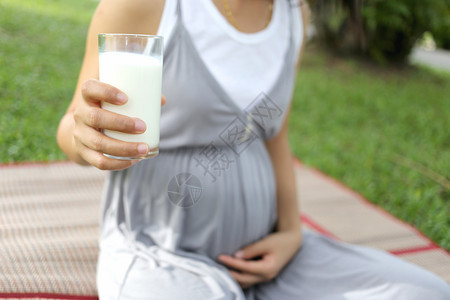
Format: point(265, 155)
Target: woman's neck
point(248, 16)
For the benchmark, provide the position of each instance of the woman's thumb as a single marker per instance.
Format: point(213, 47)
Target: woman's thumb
point(253, 250)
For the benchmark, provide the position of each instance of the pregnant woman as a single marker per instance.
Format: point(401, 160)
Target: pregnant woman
point(215, 215)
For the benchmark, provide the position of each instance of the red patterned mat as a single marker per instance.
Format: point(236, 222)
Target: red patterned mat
point(333, 209)
point(49, 230)
point(49, 217)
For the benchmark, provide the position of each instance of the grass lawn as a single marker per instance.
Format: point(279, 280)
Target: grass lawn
point(382, 132)
point(41, 48)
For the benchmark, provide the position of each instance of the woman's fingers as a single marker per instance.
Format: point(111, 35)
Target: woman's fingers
point(103, 119)
point(94, 90)
point(97, 141)
point(246, 280)
point(91, 119)
point(100, 161)
point(246, 266)
point(254, 250)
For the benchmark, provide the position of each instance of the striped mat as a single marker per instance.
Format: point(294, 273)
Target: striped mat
point(49, 216)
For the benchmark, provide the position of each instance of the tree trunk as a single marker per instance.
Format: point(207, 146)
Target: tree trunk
point(356, 23)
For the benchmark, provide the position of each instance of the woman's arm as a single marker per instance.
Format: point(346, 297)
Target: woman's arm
point(287, 205)
point(281, 155)
point(79, 134)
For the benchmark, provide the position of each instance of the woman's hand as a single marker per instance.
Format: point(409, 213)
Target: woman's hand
point(263, 260)
point(90, 119)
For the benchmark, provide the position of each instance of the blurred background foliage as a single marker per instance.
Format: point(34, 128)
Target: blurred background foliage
point(381, 30)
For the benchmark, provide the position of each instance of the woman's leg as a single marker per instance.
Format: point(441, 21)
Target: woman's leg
point(325, 269)
point(142, 280)
point(126, 273)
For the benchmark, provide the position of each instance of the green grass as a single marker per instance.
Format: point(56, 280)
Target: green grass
point(41, 48)
point(383, 132)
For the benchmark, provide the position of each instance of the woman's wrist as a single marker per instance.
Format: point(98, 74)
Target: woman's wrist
point(289, 223)
point(293, 227)
point(294, 235)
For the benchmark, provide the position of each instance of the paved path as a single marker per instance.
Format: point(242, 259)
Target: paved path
point(49, 227)
point(438, 59)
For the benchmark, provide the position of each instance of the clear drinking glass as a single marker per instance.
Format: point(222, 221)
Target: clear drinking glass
point(133, 63)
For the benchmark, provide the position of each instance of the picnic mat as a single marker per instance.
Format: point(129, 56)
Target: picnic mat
point(49, 215)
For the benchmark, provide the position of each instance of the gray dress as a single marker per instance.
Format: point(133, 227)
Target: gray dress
point(211, 191)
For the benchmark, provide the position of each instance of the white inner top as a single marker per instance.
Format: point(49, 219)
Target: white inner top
point(244, 64)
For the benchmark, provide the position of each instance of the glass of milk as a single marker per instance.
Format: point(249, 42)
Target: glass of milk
point(133, 64)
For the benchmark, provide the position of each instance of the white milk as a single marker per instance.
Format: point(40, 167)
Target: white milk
point(138, 76)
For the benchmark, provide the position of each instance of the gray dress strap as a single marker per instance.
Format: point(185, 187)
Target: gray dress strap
point(199, 108)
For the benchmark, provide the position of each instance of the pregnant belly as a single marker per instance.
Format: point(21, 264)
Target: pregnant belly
point(195, 199)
